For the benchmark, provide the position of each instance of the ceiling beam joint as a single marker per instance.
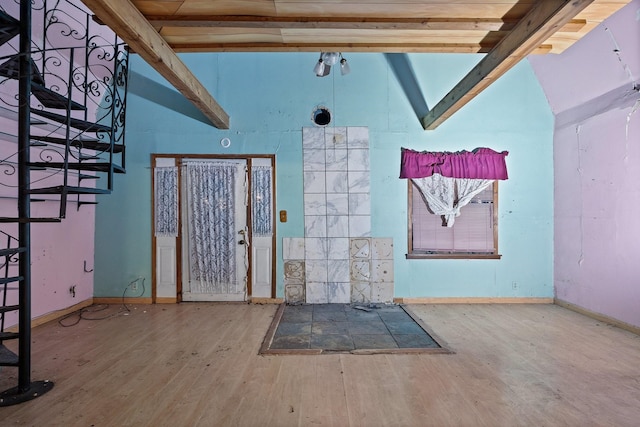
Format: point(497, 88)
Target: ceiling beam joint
point(541, 22)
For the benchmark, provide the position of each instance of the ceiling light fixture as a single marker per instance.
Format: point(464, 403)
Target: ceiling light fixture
point(327, 60)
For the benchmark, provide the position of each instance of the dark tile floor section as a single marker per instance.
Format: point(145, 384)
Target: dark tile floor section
point(342, 327)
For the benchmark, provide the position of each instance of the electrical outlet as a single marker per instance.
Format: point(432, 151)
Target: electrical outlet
point(134, 286)
point(514, 285)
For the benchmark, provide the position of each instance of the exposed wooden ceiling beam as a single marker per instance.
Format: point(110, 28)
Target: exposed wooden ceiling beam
point(339, 23)
point(542, 21)
point(332, 23)
point(344, 47)
point(123, 18)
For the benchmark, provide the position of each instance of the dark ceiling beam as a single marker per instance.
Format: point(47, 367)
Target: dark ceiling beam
point(132, 27)
point(541, 22)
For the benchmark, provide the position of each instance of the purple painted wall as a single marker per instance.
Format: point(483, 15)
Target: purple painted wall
point(592, 88)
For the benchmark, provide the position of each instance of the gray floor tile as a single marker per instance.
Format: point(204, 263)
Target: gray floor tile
point(332, 342)
point(329, 316)
point(404, 328)
point(293, 329)
point(359, 315)
point(400, 316)
point(329, 328)
point(287, 342)
point(340, 327)
point(322, 308)
point(303, 308)
point(375, 327)
point(415, 341)
point(296, 316)
point(374, 342)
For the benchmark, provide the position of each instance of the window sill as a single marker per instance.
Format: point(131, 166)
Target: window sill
point(453, 256)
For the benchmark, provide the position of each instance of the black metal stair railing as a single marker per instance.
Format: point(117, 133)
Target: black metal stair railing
point(67, 95)
point(73, 143)
point(8, 259)
point(68, 84)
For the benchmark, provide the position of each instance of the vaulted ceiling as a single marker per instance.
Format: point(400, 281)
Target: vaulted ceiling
point(506, 30)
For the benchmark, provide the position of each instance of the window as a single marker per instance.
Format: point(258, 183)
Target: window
point(473, 235)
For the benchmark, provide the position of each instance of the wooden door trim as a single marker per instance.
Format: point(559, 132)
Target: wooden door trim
point(178, 160)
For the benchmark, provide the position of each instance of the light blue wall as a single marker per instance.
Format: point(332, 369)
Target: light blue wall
point(270, 98)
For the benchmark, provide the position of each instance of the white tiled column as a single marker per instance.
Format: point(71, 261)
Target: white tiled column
point(337, 208)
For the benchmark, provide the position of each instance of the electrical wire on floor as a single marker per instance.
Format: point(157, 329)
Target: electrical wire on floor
point(85, 313)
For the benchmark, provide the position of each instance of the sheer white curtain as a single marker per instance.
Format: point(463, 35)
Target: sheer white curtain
point(261, 200)
point(166, 201)
point(446, 196)
point(211, 225)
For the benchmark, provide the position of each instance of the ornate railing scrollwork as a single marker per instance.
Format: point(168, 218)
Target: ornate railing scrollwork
point(74, 59)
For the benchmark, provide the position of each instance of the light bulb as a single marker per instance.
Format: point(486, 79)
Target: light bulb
point(344, 67)
point(319, 68)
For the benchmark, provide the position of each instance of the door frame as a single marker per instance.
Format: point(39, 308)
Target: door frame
point(178, 162)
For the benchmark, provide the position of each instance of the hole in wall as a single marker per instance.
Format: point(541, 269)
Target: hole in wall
point(321, 116)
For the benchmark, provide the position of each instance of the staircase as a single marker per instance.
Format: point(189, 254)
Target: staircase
point(62, 101)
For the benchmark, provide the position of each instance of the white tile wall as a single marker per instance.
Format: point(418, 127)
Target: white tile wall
point(338, 204)
point(316, 292)
point(293, 248)
point(361, 292)
point(294, 272)
point(339, 293)
point(294, 294)
point(337, 259)
point(316, 270)
point(360, 225)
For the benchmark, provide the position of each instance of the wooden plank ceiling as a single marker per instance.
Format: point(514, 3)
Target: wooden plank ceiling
point(507, 30)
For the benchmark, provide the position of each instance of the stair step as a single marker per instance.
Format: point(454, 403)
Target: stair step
point(11, 69)
point(75, 123)
point(7, 308)
point(6, 219)
point(11, 251)
point(9, 27)
point(85, 176)
point(52, 99)
point(4, 280)
point(9, 335)
point(7, 357)
point(87, 203)
point(82, 157)
point(59, 189)
point(38, 144)
point(94, 167)
point(89, 144)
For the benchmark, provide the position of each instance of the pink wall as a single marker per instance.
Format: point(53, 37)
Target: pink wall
point(59, 250)
point(57, 256)
point(597, 166)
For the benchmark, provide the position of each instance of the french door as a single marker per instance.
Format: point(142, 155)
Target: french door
point(213, 253)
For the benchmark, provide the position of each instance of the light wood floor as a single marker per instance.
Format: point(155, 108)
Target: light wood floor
point(198, 365)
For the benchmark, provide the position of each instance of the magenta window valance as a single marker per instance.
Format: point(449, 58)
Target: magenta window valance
point(481, 163)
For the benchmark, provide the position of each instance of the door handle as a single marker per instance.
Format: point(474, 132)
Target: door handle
point(242, 242)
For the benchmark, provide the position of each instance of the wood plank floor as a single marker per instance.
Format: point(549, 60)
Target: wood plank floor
point(197, 364)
